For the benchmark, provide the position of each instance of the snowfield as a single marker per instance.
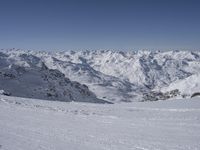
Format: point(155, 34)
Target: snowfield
point(30, 124)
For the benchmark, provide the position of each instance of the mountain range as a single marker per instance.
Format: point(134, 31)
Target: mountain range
point(100, 76)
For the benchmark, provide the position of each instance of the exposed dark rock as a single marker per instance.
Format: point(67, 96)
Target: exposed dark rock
point(157, 95)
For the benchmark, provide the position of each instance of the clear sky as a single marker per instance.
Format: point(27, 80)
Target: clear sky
point(100, 24)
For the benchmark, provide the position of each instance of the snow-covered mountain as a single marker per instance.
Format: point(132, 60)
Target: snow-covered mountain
point(25, 75)
point(186, 86)
point(122, 76)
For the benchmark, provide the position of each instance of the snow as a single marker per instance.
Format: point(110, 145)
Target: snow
point(49, 125)
point(186, 86)
point(127, 73)
point(93, 77)
point(25, 75)
point(115, 75)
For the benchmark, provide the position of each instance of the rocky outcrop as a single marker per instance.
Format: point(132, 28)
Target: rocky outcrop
point(156, 95)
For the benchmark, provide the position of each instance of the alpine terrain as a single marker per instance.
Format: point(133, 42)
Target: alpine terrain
point(113, 76)
point(77, 100)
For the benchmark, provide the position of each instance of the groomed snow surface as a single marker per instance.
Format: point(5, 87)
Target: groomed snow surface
point(30, 124)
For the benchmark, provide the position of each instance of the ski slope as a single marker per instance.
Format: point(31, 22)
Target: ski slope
point(29, 124)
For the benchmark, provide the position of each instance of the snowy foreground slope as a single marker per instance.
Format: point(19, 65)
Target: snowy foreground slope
point(28, 124)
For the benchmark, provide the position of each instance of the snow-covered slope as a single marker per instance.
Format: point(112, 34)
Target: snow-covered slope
point(187, 86)
point(25, 75)
point(126, 75)
point(28, 124)
point(121, 76)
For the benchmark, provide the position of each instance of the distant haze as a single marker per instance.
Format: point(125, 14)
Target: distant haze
point(100, 24)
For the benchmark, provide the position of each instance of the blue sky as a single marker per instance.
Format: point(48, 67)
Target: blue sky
point(100, 24)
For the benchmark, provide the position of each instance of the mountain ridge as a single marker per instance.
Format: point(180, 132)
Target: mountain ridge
point(121, 76)
point(27, 76)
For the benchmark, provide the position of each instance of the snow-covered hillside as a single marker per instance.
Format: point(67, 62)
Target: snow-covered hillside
point(124, 76)
point(28, 124)
point(25, 75)
point(186, 86)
